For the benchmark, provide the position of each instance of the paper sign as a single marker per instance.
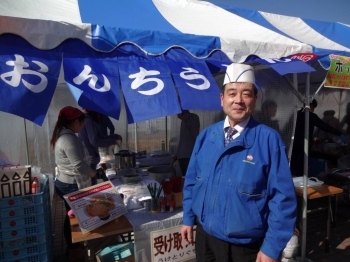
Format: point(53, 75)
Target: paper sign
point(339, 72)
point(167, 245)
point(96, 205)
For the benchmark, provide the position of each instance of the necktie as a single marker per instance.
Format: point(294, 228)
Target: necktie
point(230, 133)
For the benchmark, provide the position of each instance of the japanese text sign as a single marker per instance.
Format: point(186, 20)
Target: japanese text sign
point(28, 78)
point(339, 72)
point(167, 245)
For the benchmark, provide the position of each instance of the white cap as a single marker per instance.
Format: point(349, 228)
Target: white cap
point(239, 73)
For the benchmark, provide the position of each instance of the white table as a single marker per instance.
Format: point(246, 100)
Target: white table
point(144, 222)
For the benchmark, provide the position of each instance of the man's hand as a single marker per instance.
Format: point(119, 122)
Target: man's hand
point(187, 234)
point(263, 258)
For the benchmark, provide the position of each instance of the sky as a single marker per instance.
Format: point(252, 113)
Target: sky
point(324, 10)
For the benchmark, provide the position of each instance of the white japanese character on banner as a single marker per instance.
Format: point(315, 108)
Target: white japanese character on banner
point(192, 74)
point(140, 80)
point(18, 70)
point(85, 75)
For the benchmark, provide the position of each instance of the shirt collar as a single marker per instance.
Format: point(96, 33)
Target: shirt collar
point(239, 127)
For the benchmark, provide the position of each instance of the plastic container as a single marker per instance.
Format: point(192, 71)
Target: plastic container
point(132, 178)
point(43, 257)
point(21, 221)
point(171, 205)
point(22, 232)
point(162, 205)
point(311, 182)
point(159, 173)
point(18, 212)
point(118, 252)
point(291, 250)
point(35, 186)
point(154, 205)
point(25, 228)
point(21, 201)
point(23, 241)
point(22, 252)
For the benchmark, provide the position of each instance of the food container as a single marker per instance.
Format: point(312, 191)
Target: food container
point(125, 159)
point(159, 173)
point(311, 182)
point(131, 178)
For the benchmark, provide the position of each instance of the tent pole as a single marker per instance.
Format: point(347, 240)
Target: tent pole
point(135, 137)
point(166, 133)
point(296, 99)
point(306, 164)
point(26, 140)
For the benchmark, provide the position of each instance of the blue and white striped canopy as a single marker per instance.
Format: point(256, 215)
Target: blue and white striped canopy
point(196, 36)
point(157, 25)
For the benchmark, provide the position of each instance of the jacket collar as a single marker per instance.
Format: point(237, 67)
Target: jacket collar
point(246, 138)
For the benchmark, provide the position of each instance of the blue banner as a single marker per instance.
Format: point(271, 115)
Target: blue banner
point(28, 78)
point(217, 61)
point(148, 88)
point(197, 88)
point(94, 81)
point(297, 63)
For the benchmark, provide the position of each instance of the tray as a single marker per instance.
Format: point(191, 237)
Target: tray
point(312, 182)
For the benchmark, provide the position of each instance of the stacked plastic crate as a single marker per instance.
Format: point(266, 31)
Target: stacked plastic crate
point(25, 227)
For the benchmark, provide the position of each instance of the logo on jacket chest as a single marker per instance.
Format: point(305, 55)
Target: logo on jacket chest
point(249, 159)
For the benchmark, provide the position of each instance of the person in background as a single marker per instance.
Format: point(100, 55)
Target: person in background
point(238, 186)
point(189, 131)
point(328, 118)
point(268, 111)
point(345, 122)
point(93, 139)
point(73, 171)
point(297, 157)
point(106, 124)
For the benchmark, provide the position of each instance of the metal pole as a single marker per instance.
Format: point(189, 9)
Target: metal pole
point(296, 98)
point(166, 133)
point(135, 137)
point(306, 164)
point(26, 140)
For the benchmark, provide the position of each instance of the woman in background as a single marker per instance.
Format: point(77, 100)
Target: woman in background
point(73, 172)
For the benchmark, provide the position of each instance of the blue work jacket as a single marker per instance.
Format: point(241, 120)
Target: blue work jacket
point(242, 192)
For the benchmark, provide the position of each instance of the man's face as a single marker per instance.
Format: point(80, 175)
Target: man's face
point(238, 101)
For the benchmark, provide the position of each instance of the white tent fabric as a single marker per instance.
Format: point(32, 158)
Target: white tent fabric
point(58, 10)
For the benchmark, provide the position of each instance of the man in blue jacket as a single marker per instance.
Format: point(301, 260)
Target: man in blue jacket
point(238, 187)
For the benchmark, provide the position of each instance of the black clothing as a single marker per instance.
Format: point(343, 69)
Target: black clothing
point(209, 249)
point(297, 158)
point(183, 163)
